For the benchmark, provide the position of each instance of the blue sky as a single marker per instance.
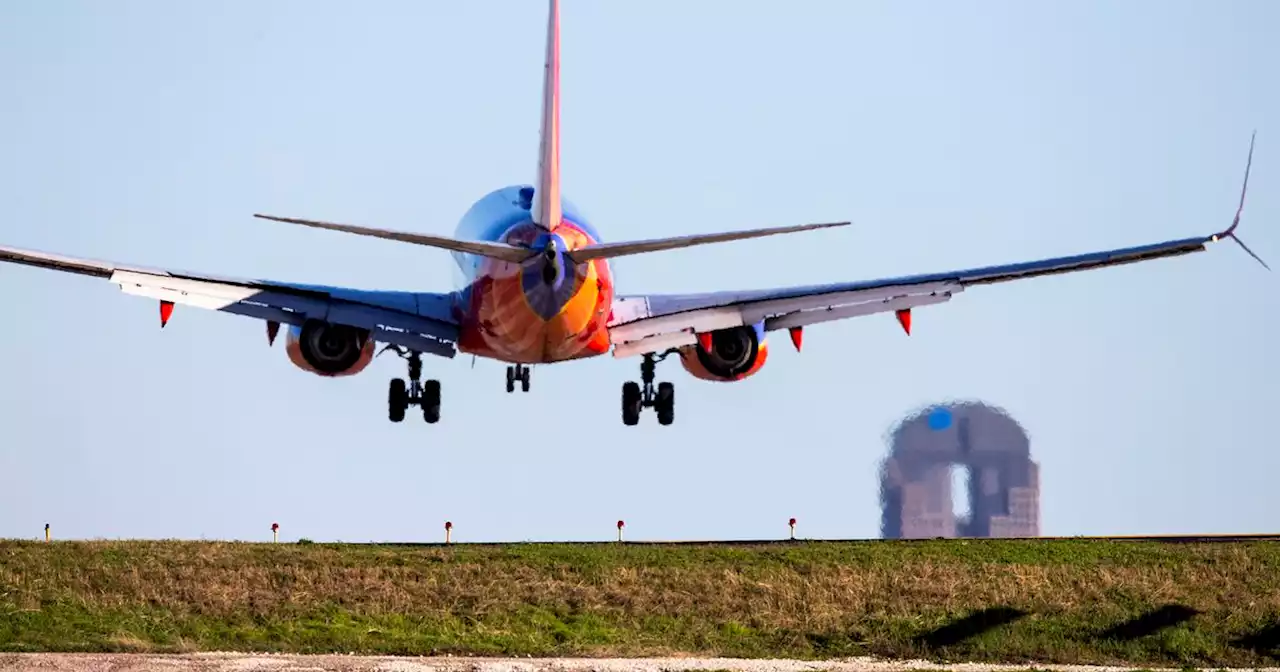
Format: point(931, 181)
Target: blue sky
point(951, 134)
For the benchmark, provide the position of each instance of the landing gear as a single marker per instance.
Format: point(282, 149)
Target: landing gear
point(518, 372)
point(401, 396)
point(636, 398)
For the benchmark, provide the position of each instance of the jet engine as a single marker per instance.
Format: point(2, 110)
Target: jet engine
point(726, 355)
point(329, 350)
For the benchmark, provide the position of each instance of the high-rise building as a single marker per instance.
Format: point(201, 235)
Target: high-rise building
point(1004, 483)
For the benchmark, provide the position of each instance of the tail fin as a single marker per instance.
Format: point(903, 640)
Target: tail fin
point(546, 210)
point(1231, 231)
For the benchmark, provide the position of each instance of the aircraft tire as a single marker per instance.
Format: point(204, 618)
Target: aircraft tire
point(630, 403)
point(666, 403)
point(397, 400)
point(431, 401)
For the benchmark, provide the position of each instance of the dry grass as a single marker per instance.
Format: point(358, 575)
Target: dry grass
point(803, 600)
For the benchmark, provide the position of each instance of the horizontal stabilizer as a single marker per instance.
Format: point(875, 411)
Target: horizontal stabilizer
point(501, 251)
point(622, 249)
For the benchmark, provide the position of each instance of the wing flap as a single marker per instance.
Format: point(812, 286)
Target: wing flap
point(640, 335)
point(290, 305)
point(418, 321)
point(807, 317)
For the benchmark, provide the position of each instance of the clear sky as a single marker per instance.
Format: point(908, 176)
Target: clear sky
point(951, 134)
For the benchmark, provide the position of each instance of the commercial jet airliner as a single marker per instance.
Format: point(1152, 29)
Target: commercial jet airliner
point(537, 289)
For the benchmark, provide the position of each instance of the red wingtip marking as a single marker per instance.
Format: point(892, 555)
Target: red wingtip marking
point(166, 312)
point(704, 340)
point(797, 337)
point(273, 328)
point(904, 318)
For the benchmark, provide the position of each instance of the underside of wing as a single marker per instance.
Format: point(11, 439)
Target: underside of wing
point(418, 321)
point(654, 323)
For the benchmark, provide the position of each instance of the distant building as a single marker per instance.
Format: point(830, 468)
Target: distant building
point(915, 486)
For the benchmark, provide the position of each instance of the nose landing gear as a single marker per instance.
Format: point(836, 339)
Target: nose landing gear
point(401, 396)
point(636, 398)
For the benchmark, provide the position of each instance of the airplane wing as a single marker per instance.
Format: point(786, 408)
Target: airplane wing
point(419, 321)
point(655, 323)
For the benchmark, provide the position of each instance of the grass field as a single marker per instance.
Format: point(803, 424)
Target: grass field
point(1069, 601)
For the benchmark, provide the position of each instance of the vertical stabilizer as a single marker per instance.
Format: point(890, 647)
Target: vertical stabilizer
point(546, 210)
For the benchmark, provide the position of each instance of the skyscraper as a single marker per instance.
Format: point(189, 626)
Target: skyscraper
point(1004, 483)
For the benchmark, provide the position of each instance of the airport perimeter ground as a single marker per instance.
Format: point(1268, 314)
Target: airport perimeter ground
point(1129, 604)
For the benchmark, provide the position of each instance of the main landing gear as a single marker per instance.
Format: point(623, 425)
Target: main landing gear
point(518, 372)
point(635, 398)
point(400, 397)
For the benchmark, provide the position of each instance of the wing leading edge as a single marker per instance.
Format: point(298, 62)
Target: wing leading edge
point(420, 321)
point(654, 323)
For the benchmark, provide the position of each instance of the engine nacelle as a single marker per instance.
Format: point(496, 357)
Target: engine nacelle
point(734, 354)
point(329, 350)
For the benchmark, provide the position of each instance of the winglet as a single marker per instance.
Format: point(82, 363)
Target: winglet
point(546, 211)
point(1231, 231)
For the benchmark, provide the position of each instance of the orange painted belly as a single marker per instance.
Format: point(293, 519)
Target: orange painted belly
point(502, 322)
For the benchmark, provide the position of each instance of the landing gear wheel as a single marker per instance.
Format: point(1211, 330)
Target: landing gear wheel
point(397, 400)
point(431, 401)
point(401, 396)
point(665, 404)
point(517, 372)
point(636, 398)
point(631, 403)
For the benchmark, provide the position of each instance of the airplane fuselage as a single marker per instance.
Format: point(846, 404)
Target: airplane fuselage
point(546, 309)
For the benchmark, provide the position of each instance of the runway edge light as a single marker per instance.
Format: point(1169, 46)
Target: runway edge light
point(621, 524)
point(792, 524)
point(275, 532)
point(448, 530)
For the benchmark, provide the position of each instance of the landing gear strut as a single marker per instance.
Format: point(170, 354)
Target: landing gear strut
point(662, 399)
point(400, 396)
point(518, 372)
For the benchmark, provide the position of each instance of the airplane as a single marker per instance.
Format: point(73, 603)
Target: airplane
point(537, 289)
